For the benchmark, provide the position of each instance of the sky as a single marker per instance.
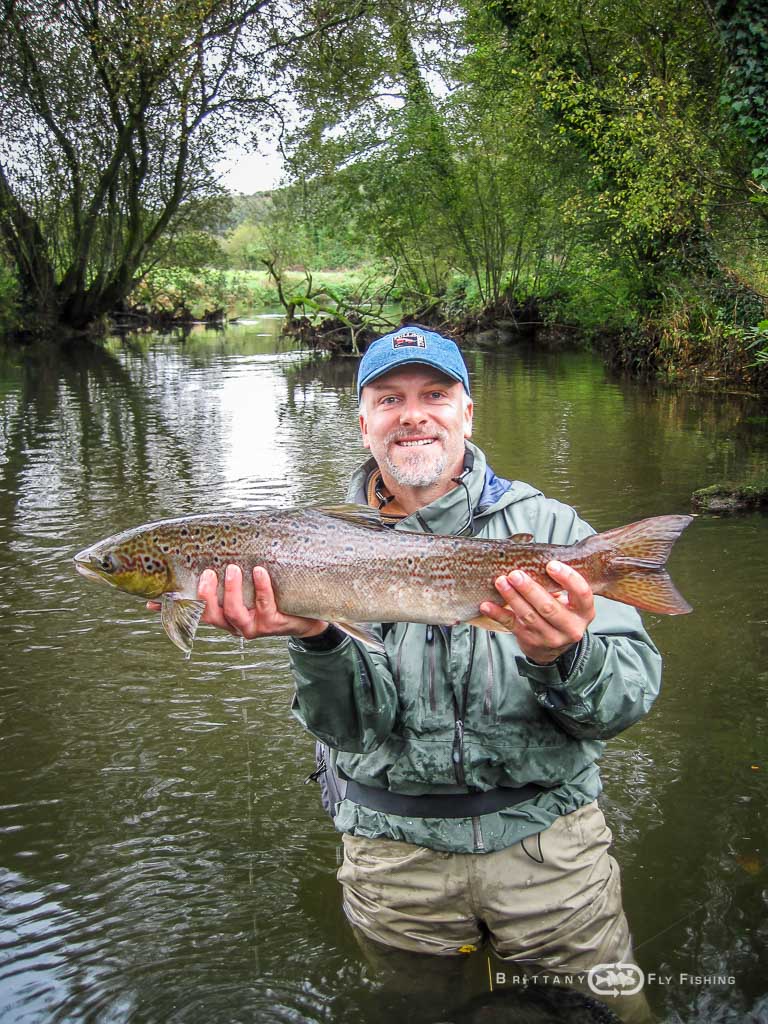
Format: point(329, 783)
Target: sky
point(248, 171)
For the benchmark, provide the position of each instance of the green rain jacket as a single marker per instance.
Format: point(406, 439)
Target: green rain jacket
point(455, 711)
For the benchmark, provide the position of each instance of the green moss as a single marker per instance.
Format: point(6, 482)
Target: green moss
point(732, 497)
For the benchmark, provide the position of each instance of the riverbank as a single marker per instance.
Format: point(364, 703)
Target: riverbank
point(687, 342)
point(724, 361)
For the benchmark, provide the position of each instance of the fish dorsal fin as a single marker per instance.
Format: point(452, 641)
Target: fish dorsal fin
point(521, 538)
point(358, 515)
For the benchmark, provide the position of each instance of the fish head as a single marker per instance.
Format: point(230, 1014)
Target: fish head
point(130, 561)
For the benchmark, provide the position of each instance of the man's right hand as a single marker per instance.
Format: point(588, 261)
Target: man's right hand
point(233, 615)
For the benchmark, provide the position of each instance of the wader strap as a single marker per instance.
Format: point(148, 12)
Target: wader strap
point(449, 805)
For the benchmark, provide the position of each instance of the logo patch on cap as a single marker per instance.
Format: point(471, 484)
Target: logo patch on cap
point(408, 339)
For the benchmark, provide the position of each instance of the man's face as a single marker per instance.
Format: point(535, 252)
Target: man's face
point(414, 421)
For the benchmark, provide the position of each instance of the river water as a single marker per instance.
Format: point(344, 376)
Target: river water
point(160, 856)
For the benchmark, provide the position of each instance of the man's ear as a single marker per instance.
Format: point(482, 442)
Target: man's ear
point(364, 430)
point(469, 409)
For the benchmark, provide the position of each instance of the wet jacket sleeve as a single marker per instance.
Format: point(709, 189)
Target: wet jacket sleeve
point(614, 676)
point(345, 696)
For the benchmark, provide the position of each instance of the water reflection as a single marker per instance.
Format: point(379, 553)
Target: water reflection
point(161, 857)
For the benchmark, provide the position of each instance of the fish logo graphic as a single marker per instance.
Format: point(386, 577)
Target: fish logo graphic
point(408, 339)
point(616, 979)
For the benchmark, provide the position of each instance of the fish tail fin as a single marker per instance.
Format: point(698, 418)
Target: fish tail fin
point(636, 574)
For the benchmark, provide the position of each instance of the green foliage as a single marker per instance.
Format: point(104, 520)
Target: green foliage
point(182, 290)
point(303, 225)
point(744, 28)
point(595, 296)
point(757, 341)
point(112, 120)
point(9, 299)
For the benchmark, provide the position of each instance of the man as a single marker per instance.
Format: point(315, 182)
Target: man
point(469, 754)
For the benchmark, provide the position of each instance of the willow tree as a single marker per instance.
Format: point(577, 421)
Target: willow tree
point(113, 114)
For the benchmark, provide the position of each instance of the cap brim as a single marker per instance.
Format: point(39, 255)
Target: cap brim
point(393, 366)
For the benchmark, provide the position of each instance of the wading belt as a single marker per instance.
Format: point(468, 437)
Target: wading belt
point(448, 805)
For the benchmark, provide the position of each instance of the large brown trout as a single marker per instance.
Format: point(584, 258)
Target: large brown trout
point(343, 565)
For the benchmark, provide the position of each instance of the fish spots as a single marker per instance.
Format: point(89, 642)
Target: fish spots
point(151, 565)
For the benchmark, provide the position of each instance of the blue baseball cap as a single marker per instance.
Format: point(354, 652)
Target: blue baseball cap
point(411, 345)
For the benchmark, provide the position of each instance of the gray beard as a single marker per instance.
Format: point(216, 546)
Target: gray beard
point(417, 469)
point(414, 473)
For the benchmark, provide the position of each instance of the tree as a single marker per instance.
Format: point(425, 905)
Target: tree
point(743, 26)
point(436, 153)
point(113, 114)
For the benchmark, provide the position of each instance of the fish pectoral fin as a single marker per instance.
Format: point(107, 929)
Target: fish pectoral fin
point(180, 617)
point(485, 622)
point(360, 631)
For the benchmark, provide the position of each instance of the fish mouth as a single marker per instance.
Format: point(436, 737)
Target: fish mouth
point(84, 564)
point(86, 570)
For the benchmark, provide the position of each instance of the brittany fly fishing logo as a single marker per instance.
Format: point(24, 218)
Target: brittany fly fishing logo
point(615, 979)
point(408, 339)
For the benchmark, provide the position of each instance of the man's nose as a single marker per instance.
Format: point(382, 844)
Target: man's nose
point(412, 411)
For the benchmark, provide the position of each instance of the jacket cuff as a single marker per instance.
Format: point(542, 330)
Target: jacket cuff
point(328, 640)
point(555, 686)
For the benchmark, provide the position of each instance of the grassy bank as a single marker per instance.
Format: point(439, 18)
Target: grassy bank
point(244, 293)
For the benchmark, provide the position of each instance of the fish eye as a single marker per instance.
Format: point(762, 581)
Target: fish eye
point(108, 563)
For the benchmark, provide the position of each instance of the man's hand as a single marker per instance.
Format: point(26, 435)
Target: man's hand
point(233, 615)
point(545, 625)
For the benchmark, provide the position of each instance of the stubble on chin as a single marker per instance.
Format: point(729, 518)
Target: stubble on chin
point(415, 467)
point(415, 472)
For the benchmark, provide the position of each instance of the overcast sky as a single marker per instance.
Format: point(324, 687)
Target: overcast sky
point(252, 172)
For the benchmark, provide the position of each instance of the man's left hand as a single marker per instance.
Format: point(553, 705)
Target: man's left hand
point(545, 625)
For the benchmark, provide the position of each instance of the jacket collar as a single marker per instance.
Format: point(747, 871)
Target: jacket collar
point(480, 493)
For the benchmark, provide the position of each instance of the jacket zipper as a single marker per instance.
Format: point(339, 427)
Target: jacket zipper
point(488, 696)
point(399, 661)
point(458, 751)
point(432, 656)
point(460, 713)
point(458, 740)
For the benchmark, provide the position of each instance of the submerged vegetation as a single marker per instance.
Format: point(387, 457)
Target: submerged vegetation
point(578, 173)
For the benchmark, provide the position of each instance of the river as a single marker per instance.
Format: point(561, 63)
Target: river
point(160, 856)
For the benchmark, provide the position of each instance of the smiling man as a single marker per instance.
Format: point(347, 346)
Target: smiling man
point(464, 760)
